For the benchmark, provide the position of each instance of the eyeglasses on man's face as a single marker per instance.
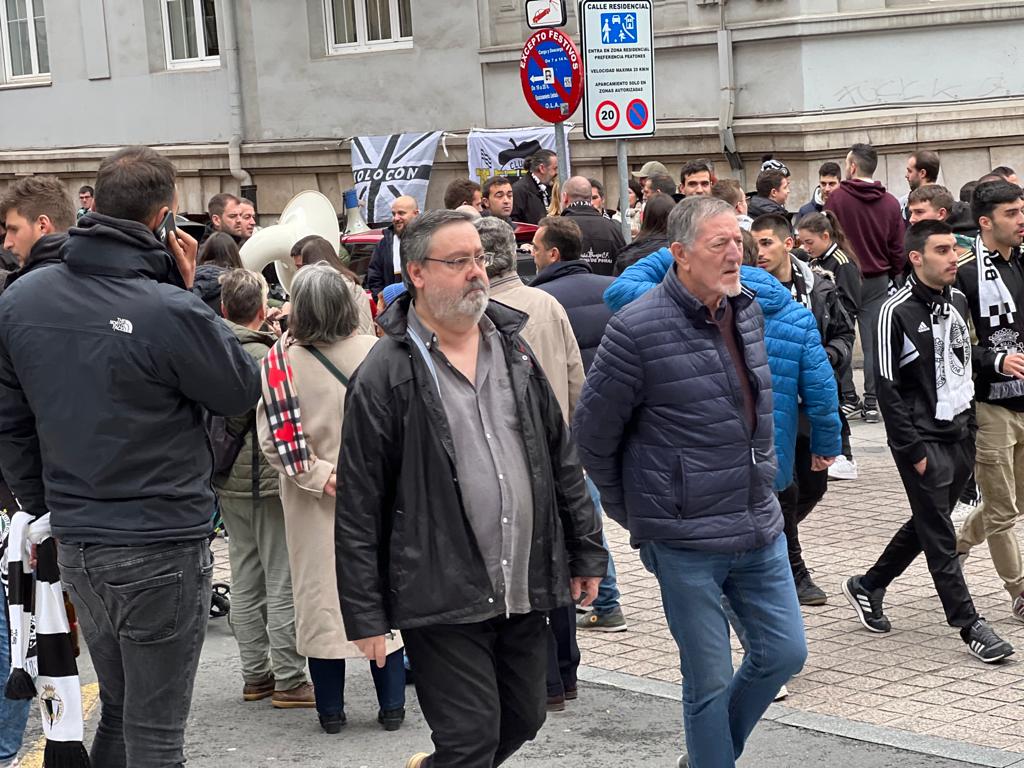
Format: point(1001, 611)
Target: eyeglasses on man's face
point(462, 263)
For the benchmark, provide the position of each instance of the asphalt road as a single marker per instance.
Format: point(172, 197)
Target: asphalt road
point(605, 728)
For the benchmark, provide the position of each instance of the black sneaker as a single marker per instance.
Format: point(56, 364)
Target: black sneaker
point(870, 412)
point(984, 643)
point(867, 604)
point(809, 593)
point(852, 408)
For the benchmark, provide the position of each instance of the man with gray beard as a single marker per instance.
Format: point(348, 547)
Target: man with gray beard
point(462, 512)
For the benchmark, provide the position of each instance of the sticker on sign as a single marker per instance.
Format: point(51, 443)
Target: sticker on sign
point(618, 63)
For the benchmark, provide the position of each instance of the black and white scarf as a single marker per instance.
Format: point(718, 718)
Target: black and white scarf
point(954, 384)
point(42, 657)
point(995, 302)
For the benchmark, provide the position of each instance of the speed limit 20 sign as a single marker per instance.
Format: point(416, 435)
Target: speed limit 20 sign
point(618, 64)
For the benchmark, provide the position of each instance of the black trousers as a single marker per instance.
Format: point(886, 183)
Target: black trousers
point(970, 494)
point(845, 432)
point(480, 686)
point(799, 499)
point(932, 497)
point(563, 652)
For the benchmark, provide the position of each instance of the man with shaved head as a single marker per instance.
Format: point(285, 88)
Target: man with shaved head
point(602, 238)
point(385, 265)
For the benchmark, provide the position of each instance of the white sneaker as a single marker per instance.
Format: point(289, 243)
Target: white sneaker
point(1017, 607)
point(782, 694)
point(961, 511)
point(843, 469)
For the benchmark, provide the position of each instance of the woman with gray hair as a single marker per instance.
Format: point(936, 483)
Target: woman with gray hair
point(311, 365)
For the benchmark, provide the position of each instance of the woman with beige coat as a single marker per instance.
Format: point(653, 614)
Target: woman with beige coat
point(299, 420)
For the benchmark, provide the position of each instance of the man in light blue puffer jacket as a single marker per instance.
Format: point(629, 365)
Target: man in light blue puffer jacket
point(801, 374)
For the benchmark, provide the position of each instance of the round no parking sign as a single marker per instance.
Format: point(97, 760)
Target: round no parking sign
point(551, 72)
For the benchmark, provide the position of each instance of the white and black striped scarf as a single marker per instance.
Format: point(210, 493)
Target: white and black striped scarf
point(42, 656)
point(995, 302)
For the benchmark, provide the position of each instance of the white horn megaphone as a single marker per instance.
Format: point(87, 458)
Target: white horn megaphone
point(308, 213)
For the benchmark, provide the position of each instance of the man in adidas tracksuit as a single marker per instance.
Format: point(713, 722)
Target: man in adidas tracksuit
point(926, 395)
point(993, 280)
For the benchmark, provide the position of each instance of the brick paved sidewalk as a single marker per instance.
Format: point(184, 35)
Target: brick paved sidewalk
point(919, 678)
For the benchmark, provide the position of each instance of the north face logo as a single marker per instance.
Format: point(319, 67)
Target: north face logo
point(121, 325)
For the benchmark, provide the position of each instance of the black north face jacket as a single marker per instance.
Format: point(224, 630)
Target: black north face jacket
point(106, 364)
point(406, 553)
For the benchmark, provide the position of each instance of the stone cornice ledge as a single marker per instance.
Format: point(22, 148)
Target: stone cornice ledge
point(890, 19)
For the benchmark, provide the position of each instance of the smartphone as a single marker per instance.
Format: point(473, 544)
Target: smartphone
point(166, 228)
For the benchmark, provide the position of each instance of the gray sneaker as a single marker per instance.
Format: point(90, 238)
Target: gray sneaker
point(609, 622)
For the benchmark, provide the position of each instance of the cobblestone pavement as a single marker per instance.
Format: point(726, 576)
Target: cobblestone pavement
point(919, 678)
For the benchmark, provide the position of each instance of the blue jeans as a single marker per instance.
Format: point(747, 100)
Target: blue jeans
point(720, 709)
point(13, 714)
point(328, 677)
point(607, 600)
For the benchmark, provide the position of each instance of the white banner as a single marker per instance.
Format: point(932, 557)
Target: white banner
point(502, 152)
point(386, 167)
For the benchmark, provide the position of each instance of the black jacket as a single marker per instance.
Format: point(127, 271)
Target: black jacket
point(906, 371)
point(45, 252)
point(995, 341)
point(380, 272)
point(581, 293)
point(602, 238)
point(846, 276)
point(759, 206)
point(816, 289)
point(636, 250)
point(406, 554)
point(528, 201)
point(206, 285)
point(106, 364)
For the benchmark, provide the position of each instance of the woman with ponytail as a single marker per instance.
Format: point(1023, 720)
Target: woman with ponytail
point(823, 238)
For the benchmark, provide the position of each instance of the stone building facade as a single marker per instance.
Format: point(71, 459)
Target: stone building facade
point(240, 91)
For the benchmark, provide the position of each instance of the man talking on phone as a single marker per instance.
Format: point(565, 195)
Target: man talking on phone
point(106, 365)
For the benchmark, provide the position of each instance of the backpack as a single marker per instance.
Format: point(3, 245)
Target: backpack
point(225, 446)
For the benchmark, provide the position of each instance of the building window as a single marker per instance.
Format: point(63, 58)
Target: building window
point(26, 54)
point(190, 33)
point(360, 25)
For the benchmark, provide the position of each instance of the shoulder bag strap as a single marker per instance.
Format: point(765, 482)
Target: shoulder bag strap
point(327, 364)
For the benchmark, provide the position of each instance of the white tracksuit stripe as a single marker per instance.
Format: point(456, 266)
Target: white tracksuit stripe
point(884, 342)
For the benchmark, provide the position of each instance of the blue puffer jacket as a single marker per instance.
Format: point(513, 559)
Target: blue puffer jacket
point(801, 373)
point(660, 425)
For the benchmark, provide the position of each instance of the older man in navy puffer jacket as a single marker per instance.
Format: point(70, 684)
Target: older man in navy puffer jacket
point(675, 427)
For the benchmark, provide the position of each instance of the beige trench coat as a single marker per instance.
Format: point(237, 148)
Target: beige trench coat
point(308, 511)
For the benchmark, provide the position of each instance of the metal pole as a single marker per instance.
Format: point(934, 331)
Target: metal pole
point(561, 151)
point(620, 154)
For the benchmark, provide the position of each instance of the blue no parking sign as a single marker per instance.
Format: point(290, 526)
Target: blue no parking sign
point(637, 113)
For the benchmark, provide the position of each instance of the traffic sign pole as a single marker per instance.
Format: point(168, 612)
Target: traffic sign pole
point(620, 155)
point(563, 161)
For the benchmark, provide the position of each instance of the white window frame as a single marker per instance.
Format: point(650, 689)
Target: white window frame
point(363, 44)
point(8, 77)
point(200, 62)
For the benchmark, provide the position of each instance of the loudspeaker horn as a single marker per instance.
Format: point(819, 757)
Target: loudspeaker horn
point(308, 213)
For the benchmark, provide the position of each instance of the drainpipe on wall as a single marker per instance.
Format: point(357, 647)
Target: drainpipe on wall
point(248, 189)
point(727, 97)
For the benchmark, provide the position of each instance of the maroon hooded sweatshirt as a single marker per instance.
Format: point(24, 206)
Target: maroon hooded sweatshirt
point(873, 223)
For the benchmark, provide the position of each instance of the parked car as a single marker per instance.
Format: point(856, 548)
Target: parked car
point(360, 248)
